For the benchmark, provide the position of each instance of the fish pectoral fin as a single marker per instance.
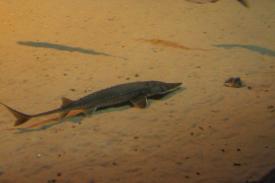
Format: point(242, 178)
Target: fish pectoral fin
point(66, 101)
point(140, 102)
point(90, 111)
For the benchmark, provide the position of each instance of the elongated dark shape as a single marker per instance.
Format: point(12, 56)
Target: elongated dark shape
point(136, 93)
point(244, 3)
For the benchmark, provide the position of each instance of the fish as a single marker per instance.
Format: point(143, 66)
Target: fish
point(135, 93)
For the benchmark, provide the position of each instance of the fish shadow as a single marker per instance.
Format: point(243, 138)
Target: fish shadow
point(61, 47)
point(253, 48)
point(76, 119)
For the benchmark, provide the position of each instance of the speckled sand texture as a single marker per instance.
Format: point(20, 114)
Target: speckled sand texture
point(205, 133)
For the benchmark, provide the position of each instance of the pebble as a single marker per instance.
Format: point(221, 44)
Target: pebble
point(270, 107)
point(1, 171)
point(237, 164)
point(52, 181)
point(201, 128)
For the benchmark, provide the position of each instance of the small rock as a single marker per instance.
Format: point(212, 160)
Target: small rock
point(234, 82)
point(59, 174)
point(38, 155)
point(136, 75)
point(91, 181)
point(270, 107)
point(225, 119)
point(52, 181)
point(237, 164)
point(72, 89)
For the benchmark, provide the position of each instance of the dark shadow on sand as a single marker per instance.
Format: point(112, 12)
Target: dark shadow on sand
point(268, 178)
point(78, 118)
point(61, 47)
point(253, 48)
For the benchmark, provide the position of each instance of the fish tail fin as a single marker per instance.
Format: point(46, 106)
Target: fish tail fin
point(20, 117)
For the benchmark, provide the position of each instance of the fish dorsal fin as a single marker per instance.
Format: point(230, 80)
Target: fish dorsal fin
point(65, 101)
point(140, 102)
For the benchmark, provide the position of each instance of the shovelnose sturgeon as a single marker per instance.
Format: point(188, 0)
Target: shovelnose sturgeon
point(135, 93)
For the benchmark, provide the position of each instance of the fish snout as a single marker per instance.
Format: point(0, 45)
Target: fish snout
point(171, 86)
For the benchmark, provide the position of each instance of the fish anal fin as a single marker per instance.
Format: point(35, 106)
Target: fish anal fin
point(140, 102)
point(21, 121)
point(21, 117)
point(66, 101)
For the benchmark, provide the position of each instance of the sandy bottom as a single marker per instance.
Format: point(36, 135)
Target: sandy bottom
point(205, 132)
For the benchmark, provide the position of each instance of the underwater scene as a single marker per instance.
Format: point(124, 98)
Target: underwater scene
point(137, 91)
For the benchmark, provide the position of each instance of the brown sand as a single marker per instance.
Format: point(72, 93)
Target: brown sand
point(205, 133)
